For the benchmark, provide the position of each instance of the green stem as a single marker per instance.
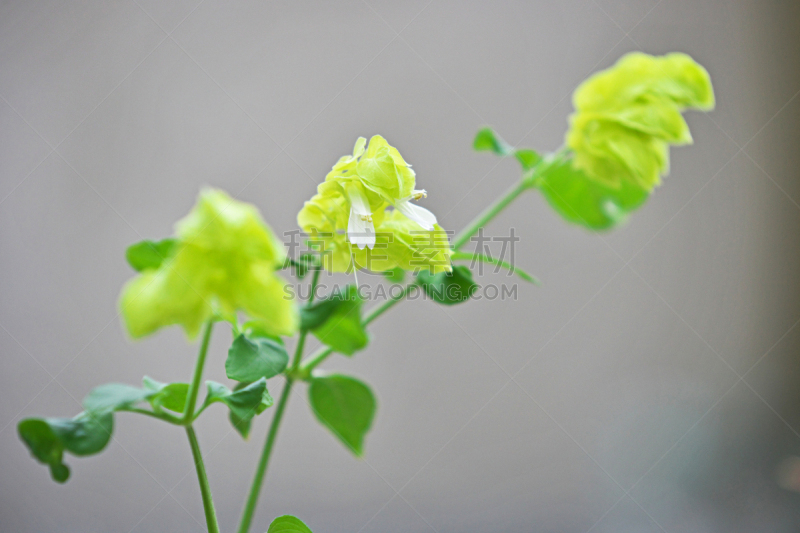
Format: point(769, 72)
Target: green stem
point(194, 387)
point(530, 179)
point(385, 306)
point(321, 354)
point(316, 358)
point(205, 489)
point(166, 417)
point(462, 256)
point(488, 214)
point(314, 281)
point(263, 461)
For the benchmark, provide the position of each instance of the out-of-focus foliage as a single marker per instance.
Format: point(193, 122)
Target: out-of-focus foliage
point(449, 288)
point(244, 402)
point(487, 140)
point(617, 147)
point(223, 260)
point(585, 201)
point(252, 357)
point(627, 116)
point(288, 524)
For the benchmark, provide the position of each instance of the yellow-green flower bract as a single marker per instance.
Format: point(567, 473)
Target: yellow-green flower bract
point(398, 240)
point(372, 178)
point(380, 168)
point(224, 261)
point(627, 116)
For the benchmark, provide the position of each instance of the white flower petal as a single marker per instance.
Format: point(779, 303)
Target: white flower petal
point(418, 214)
point(358, 201)
point(360, 231)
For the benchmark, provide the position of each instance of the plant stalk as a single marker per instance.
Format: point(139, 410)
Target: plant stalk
point(205, 489)
point(263, 461)
point(488, 214)
point(194, 386)
point(166, 417)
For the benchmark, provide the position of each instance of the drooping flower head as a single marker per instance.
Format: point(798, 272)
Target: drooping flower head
point(223, 261)
point(627, 116)
point(372, 178)
point(366, 200)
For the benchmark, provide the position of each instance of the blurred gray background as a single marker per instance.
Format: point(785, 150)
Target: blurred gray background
point(651, 384)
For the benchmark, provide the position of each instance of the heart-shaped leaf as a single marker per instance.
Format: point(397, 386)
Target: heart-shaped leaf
point(111, 397)
point(244, 403)
point(336, 321)
point(146, 255)
point(250, 359)
point(344, 405)
point(288, 524)
point(170, 396)
point(448, 288)
point(48, 438)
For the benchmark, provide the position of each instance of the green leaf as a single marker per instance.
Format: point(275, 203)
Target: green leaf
point(255, 358)
point(170, 396)
point(464, 256)
point(47, 438)
point(527, 158)
point(396, 275)
point(244, 403)
point(59, 472)
point(44, 446)
point(336, 321)
point(146, 255)
point(114, 396)
point(487, 140)
point(582, 200)
point(317, 314)
point(448, 288)
point(288, 524)
point(266, 399)
point(85, 434)
point(345, 405)
point(243, 425)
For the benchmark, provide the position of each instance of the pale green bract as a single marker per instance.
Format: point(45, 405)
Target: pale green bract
point(350, 222)
point(627, 116)
point(372, 178)
point(399, 242)
point(223, 261)
point(380, 169)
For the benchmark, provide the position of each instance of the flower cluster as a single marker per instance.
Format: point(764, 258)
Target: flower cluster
point(223, 261)
point(628, 115)
point(363, 215)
